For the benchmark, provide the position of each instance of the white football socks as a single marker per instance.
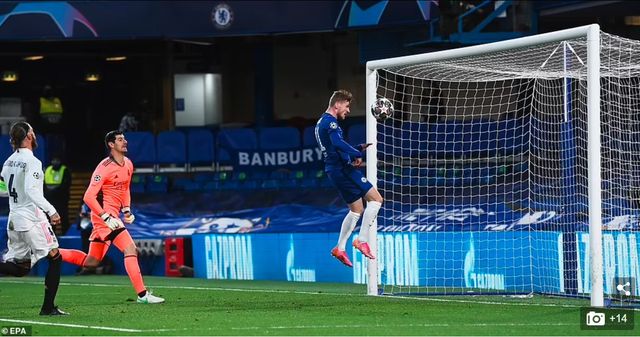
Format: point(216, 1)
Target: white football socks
point(348, 224)
point(368, 218)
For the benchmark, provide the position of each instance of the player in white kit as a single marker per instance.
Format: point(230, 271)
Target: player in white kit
point(30, 234)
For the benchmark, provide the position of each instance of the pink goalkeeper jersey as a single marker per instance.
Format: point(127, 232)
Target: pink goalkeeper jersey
point(113, 180)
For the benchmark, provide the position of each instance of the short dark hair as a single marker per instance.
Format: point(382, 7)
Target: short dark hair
point(110, 137)
point(18, 133)
point(340, 96)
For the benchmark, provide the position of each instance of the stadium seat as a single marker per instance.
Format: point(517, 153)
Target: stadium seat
point(41, 150)
point(513, 136)
point(479, 139)
point(137, 183)
point(412, 141)
point(210, 186)
point(278, 138)
point(309, 137)
point(386, 138)
point(232, 140)
point(141, 150)
point(185, 184)
point(201, 151)
point(157, 183)
point(5, 147)
point(270, 184)
point(171, 151)
point(357, 134)
point(283, 178)
point(204, 177)
point(244, 182)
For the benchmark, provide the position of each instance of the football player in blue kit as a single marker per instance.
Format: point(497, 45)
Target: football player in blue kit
point(341, 162)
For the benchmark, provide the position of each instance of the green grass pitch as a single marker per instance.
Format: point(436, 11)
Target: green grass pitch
point(105, 305)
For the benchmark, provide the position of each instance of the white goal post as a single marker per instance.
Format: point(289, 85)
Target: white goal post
point(443, 66)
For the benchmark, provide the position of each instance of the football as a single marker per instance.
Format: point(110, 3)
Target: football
point(382, 109)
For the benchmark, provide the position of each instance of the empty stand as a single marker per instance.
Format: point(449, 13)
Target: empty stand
point(309, 137)
point(233, 140)
point(171, 155)
point(357, 134)
point(5, 147)
point(142, 151)
point(279, 138)
point(201, 150)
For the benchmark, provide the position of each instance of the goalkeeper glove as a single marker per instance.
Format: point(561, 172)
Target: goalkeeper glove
point(128, 216)
point(112, 222)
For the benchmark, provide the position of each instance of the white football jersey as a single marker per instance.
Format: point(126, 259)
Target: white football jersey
point(22, 172)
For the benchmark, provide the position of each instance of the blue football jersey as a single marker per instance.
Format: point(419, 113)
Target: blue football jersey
point(336, 152)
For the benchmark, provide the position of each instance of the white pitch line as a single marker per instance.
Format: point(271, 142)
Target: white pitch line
point(365, 326)
point(432, 299)
point(66, 325)
point(419, 325)
point(194, 288)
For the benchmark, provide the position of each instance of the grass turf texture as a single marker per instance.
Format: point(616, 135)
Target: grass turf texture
point(105, 305)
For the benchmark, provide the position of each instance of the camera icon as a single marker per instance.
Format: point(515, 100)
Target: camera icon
point(595, 318)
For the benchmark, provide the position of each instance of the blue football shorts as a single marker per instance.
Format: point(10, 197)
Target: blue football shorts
point(351, 184)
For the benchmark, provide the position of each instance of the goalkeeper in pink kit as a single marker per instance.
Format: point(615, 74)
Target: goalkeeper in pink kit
point(112, 178)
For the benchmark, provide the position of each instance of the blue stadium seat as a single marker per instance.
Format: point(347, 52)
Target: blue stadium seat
point(270, 184)
point(387, 142)
point(513, 136)
point(231, 140)
point(138, 183)
point(157, 183)
point(201, 151)
point(171, 151)
point(259, 175)
point(210, 186)
point(141, 150)
point(277, 138)
point(357, 134)
point(205, 177)
point(243, 180)
point(5, 147)
point(185, 184)
point(414, 141)
point(6, 150)
point(309, 137)
point(41, 150)
point(479, 139)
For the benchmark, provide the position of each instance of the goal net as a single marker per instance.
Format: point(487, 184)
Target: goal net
point(507, 167)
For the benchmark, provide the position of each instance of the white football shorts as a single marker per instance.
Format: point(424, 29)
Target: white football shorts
point(33, 244)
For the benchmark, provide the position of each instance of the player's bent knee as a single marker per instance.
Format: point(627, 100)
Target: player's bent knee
point(91, 262)
point(53, 253)
point(131, 250)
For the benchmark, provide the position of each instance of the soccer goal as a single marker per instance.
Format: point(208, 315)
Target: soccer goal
point(509, 168)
